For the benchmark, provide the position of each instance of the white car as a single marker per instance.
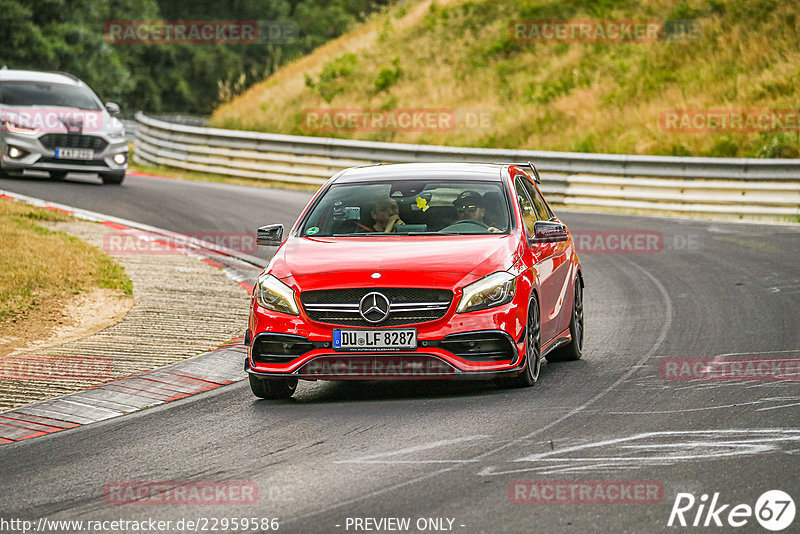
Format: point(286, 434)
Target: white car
point(54, 122)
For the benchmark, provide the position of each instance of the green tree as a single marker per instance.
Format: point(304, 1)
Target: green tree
point(68, 36)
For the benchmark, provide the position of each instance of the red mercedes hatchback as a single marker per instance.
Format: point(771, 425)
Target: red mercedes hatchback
point(417, 271)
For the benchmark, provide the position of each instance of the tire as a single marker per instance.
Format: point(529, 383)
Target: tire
point(574, 349)
point(275, 388)
point(533, 350)
point(112, 178)
point(58, 176)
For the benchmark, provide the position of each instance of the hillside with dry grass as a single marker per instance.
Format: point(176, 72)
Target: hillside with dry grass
point(39, 265)
point(558, 94)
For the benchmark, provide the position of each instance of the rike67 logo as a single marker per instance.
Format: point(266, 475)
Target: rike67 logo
point(774, 510)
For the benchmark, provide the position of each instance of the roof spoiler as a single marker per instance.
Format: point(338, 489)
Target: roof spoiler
point(535, 173)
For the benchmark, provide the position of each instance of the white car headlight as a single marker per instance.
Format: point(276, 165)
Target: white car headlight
point(274, 295)
point(18, 129)
point(495, 289)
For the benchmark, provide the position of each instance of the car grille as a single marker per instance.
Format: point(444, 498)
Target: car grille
point(407, 305)
point(55, 140)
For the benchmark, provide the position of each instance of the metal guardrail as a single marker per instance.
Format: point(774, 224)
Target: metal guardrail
point(188, 120)
point(744, 187)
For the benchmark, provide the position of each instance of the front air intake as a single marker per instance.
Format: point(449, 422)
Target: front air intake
point(480, 346)
point(279, 348)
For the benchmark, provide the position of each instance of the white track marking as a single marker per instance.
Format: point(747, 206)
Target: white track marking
point(654, 412)
point(794, 435)
point(688, 445)
point(635, 367)
point(765, 400)
point(381, 457)
point(757, 352)
point(778, 407)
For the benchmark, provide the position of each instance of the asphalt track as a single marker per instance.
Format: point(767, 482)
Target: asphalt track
point(452, 450)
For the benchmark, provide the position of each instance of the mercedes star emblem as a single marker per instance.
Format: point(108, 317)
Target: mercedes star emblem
point(374, 307)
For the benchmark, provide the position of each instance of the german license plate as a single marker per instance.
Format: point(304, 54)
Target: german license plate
point(395, 339)
point(74, 153)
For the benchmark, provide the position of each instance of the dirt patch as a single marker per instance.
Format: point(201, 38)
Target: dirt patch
point(62, 320)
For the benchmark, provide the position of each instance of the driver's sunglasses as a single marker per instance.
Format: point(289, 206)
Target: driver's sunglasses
point(466, 208)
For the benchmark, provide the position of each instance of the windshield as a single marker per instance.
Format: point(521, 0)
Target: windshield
point(417, 207)
point(46, 94)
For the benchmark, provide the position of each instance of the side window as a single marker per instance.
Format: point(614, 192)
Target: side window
point(528, 211)
point(542, 211)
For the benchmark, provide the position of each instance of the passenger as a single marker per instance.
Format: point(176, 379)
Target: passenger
point(385, 215)
point(470, 206)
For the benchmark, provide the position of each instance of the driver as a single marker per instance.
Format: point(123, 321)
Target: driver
point(470, 206)
point(385, 215)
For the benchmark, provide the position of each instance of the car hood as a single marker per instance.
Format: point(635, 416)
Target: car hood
point(446, 260)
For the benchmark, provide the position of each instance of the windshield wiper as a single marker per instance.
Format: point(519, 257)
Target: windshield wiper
point(346, 235)
point(384, 234)
point(376, 234)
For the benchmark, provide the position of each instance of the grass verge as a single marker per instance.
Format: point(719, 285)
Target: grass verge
point(39, 265)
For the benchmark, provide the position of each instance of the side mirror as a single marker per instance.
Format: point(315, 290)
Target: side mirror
point(549, 232)
point(270, 235)
point(112, 108)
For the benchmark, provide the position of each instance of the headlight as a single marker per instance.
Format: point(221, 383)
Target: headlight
point(493, 290)
point(14, 128)
point(118, 134)
point(274, 295)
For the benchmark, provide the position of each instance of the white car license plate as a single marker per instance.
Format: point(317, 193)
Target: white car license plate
point(74, 153)
point(395, 339)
